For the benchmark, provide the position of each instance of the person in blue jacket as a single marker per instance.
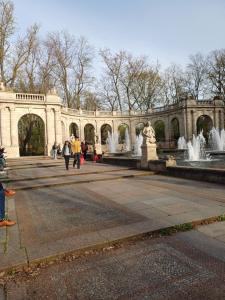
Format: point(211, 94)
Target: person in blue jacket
point(3, 220)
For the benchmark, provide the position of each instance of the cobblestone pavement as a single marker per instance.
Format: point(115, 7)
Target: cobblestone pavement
point(59, 211)
point(162, 268)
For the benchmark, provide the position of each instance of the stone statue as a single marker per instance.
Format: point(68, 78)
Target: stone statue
point(72, 138)
point(149, 134)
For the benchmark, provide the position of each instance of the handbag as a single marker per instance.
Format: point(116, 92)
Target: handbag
point(81, 159)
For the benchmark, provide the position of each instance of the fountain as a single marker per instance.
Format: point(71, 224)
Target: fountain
point(112, 141)
point(217, 139)
point(196, 148)
point(137, 145)
point(182, 144)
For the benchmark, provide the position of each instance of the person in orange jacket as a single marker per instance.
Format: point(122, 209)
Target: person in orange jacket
point(76, 149)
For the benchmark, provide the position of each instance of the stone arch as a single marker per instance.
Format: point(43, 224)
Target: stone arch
point(89, 134)
point(105, 128)
point(121, 131)
point(74, 129)
point(204, 123)
point(31, 135)
point(159, 127)
point(175, 129)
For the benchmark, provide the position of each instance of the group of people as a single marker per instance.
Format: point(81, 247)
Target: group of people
point(76, 150)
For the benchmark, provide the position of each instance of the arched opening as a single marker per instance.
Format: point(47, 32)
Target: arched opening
point(122, 133)
point(89, 134)
point(159, 127)
point(139, 128)
point(104, 133)
point(31, 131)
point(205, 124)
point(175, 129)
point(74, 130)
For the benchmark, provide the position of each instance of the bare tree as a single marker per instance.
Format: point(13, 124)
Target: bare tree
point(174, 87)
point(216, 72)
point(147, 87)
point(91, 101)
point(113, 68)
point(7, 29)
point(132, 69)
point(82, 66)
point(196, 76)
point(72, 63)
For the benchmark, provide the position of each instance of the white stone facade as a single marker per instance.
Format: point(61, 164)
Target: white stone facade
point(57, 118)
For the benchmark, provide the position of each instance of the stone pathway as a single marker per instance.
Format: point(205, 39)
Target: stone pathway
point(168, 268)
point(59, 211)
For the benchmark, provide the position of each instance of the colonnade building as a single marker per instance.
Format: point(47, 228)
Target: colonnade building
point(31, 123)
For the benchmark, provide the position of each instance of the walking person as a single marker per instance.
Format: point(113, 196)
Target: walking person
point(54, 150)
point(85, 149)
point(66, 153)
point(76, 149)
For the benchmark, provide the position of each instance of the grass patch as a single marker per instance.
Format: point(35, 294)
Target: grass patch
point(176, 228)
point(221, 218)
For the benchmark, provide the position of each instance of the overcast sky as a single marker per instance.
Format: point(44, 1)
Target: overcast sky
point(165, 30)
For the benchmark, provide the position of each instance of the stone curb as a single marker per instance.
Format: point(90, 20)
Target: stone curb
point(80, 182)
point(7, 180)
point(164, 231)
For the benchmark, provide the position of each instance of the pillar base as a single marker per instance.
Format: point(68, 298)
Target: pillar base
point(12, 152)
point(148, 153)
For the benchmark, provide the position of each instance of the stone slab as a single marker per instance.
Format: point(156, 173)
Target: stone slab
point(66, 218)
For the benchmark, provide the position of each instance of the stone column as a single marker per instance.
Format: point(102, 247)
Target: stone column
point(14, 129)
point(50, 130)
point(98, 146)
point(5, 126)
point(194, 121)
point(189, 124)
point(215, 121)
point(81, 124)
point(132, 133)
point(13, 151)
point(58, 127)
point(167, 132)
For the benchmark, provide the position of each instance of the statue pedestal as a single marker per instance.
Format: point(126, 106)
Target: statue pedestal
point(98, 149)
point(148, 153)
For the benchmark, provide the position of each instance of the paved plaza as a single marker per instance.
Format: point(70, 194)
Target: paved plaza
point(59, 211)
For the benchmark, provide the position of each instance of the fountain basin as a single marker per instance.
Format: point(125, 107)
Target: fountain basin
point(118, 154)
point(124, 161)
point(214, 175)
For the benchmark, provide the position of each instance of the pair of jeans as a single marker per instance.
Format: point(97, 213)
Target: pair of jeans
point(55, 154)
point(2, 202)
point(76, 157)
point(67, 160)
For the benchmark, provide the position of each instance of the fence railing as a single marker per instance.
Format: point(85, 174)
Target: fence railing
point(31, 97)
